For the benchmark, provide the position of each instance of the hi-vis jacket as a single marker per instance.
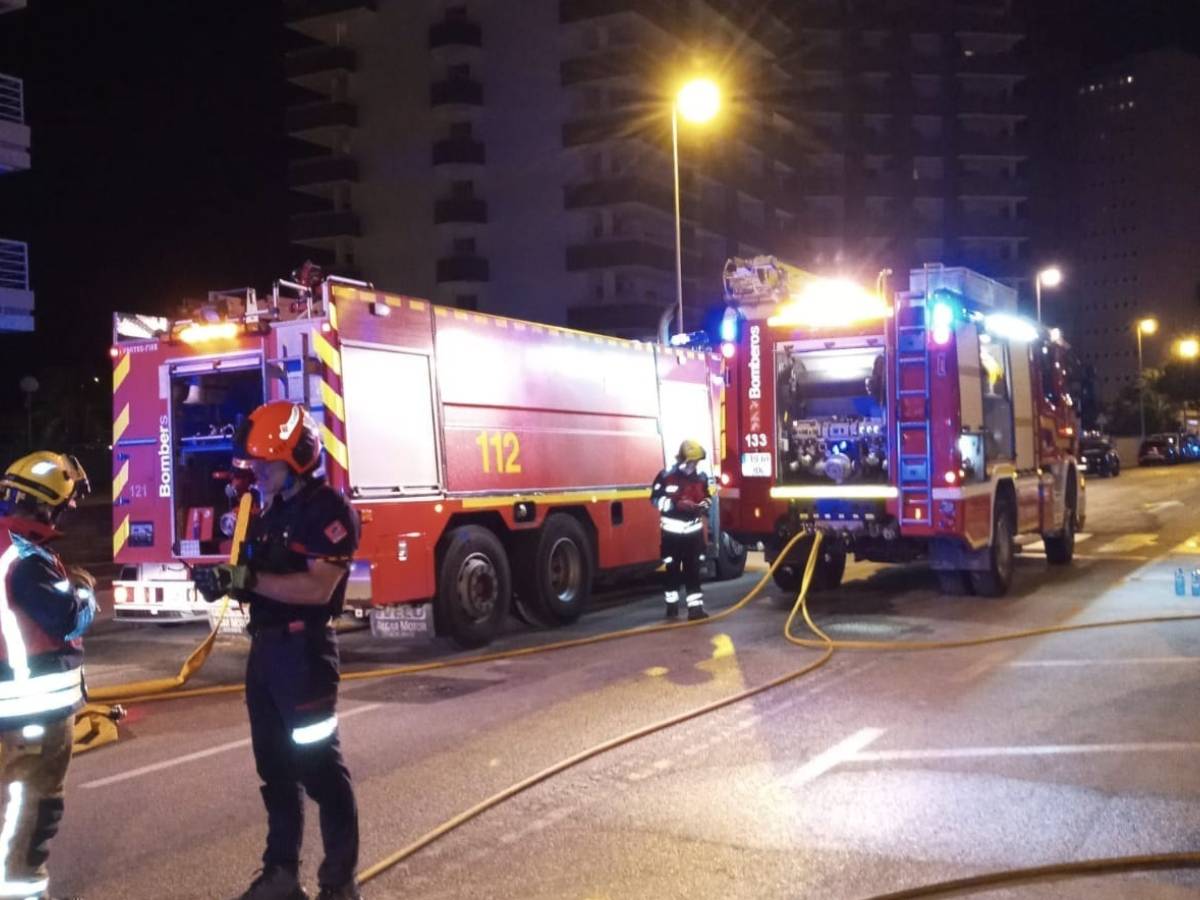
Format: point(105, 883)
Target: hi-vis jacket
point(679, 497)
point(42, 616)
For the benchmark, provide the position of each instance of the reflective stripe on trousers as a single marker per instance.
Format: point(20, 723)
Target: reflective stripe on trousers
point(679, 526)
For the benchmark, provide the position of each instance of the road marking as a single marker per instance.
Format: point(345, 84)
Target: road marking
point(1072, 663)
point(1128, 543)
point(200, 754)
point(1036, 750)
point(984, 663)
point(838, 753)
point(1161, 505)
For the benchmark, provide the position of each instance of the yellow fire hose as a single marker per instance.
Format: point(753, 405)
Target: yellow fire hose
point(829, 646)
point(96, 723)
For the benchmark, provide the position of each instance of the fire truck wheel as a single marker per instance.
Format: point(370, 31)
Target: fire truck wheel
point(1060, 548)
point(554, 577)
point(731, 558)
point(953, 582)
point(994, 581)
point(831, 566)
point(474, 587)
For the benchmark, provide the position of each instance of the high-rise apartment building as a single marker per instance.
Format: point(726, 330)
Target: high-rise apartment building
point(516, 157)
point(16, 297)
point(1132, 225)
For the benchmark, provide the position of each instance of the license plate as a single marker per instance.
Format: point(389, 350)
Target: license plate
point(756, 465)
point(403, 620)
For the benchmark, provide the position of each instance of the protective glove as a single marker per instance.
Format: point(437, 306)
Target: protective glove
point(83, 587)
point(214, 582)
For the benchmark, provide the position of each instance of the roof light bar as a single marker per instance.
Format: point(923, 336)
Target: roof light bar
point(1009, 327)
point(831, 303)
point(212, 331)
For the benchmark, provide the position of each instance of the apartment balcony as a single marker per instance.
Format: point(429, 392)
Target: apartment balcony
point(821, 184)
point(317, 122)
point(596, 128)
point(996, 268)
point(462, 269)
point(455, 34)
point(970, 103)
point(319, 69)
point(298, 11)
point(322, 229)
point(661, 12)
point(632, 320)
point(614, 191)
point(991, 186)
point(14, 133)
point(1004, 145)
point(456, 92)
point(321, 172)
point(975, 225)
point(453, 210)
point(1014, 63)
point(823, 59)
point(630, 252)
point(458, 151)
point(627, 62)
point(16, 299)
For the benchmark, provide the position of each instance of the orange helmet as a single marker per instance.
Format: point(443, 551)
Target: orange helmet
point(283, 431)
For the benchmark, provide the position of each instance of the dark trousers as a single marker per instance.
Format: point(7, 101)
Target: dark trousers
point(291, 694)
point(681, 554)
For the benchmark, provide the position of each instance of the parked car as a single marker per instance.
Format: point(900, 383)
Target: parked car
point(1159, 449)
point(1099, 457)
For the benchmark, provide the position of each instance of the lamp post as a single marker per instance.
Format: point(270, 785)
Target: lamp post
point(697, 101)
point(1050, 277)
point(1144, 326)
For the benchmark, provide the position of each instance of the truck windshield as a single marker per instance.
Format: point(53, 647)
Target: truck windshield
point(830, 411)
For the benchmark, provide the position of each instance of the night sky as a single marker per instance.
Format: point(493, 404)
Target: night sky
point(159, 155)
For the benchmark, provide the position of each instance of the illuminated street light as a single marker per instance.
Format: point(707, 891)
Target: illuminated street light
point(1188, 348)
point(1051, 277)
point(1147, 326)
point(697, 101)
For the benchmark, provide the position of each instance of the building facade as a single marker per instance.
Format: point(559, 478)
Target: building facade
point(516, 158)
point(1134, 216)
point(16, 295)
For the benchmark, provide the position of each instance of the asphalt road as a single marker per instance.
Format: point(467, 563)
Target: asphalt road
point(877, 772)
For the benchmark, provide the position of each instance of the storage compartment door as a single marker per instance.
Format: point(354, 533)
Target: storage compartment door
point(687, 414)
point(390, 423)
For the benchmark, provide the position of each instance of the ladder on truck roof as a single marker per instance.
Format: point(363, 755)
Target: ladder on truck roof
point(913, 433)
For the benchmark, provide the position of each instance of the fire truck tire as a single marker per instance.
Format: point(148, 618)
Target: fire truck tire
point(731, 558)
point(831, 566)
point(554, 575)
point(995, 580)
point(1060, 548)
point(474, 587)
point(953, 582)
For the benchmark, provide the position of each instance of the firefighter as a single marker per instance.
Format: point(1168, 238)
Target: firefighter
point(45, 607)
point(682, 496)
point(296, 564)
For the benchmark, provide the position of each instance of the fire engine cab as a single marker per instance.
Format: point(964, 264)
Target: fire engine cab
point(937, 425)
point(495, 463)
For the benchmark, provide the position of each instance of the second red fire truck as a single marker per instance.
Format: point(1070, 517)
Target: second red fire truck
point(937, 425)
point(493, 461)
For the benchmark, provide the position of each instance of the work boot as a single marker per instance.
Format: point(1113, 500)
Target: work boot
point(696, 612)
point(275, 883)
point(345, 892)
point(673, 610)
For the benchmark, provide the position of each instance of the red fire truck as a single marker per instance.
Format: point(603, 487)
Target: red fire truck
point(938, 425)
point(492, 460)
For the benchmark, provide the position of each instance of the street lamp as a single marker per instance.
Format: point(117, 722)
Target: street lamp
point(1188, 348)
point(1051, 277)
point(1147, 327)
point(697, 101)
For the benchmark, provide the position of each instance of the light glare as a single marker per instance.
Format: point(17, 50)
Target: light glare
point(698, 100)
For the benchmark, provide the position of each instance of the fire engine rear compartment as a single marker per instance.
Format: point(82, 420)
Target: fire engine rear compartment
point(831, 412)
point(209, 399)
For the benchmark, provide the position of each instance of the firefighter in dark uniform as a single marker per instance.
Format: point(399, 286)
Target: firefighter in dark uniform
point(297, 561)
point(45, 607)
point(682, 497)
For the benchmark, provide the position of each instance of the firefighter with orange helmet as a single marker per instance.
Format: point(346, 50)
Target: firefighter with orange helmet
point(297, 562)
point(45, 608)
point(682, 496)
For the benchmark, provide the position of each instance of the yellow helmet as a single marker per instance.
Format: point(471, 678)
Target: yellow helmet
point(53, 479)
point(690, 451)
